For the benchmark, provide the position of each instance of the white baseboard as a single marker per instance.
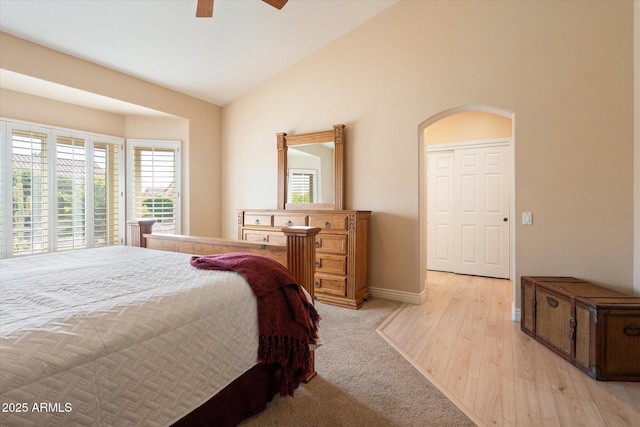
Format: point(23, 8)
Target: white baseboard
point(515, 314)
point(402, 296)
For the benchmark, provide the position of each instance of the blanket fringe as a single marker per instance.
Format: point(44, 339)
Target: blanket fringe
point(291, 353)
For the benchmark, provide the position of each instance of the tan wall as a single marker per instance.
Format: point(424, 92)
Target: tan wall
point(197, 122)
point(468, 126)
point(636, 39)
point(565, 69)
point(29, 108)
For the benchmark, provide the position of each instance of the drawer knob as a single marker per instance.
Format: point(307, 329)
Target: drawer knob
point(317, 263)
point(317, 244)
point(327, 224)
point(316, 284)
point(264, 239)
point(257, 222)
point(632, 330)
point(289, 223)
point(552, 302)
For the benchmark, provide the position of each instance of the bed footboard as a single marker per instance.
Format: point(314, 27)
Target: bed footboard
point(298, 255)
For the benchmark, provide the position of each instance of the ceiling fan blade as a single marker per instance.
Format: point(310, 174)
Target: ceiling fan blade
point(278, 4)
point(204, 9)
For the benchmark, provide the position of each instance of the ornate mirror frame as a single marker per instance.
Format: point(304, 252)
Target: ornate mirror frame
point(337, 135)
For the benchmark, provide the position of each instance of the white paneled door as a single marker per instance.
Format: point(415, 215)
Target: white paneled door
point(440, 213)
point(468, 222)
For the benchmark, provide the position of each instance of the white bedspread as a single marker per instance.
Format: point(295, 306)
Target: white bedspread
point(118, 336)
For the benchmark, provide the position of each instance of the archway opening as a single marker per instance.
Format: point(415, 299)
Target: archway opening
point(453, 131)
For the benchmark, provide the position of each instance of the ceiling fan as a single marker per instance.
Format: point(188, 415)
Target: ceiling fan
point(205, 7)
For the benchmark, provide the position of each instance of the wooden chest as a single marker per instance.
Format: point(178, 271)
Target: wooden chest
point(594, 328)
point(608, 337)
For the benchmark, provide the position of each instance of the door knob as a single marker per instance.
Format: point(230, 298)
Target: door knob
point(505, 219)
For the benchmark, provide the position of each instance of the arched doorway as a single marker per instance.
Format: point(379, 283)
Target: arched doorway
point(453, 134)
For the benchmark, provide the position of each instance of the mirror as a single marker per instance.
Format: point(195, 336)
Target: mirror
point(311, 170)
point(310, 173)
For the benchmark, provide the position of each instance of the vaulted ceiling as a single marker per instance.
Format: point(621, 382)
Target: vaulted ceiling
point(215, 59)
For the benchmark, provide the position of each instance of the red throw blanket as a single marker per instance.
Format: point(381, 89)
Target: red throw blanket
point(288, 323)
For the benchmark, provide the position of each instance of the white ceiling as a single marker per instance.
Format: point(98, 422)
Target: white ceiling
point(215, 59)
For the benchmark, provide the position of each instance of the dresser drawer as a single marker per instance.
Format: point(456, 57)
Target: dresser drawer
point(341, 247)
point(277, 238)
point(329, 284)
point(335, 264)
point(329, 222)
point(261, 219)
point(264, 236)
point(289, 220)
point(332, 243)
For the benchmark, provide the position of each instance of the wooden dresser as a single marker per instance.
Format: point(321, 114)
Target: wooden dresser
point(342, 248)
point(594, 328)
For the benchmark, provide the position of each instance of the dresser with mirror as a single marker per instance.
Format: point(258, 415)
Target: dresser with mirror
point(311, 193)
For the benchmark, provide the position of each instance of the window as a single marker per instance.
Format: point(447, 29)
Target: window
point(154, 183)
point(108, 196)
point(71, 183)
point(303, 186)
point(27, 225)
point(59, 190)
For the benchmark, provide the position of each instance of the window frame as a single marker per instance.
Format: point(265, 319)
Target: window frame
point(121, 189)
point(314, 189)
point(7, 128)
point(132, 145)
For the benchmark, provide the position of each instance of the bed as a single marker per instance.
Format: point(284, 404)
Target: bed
point(129, 335)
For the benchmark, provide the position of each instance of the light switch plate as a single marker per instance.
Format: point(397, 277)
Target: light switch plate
point(527, 218)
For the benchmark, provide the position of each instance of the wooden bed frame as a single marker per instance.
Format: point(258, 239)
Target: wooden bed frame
point(248, 394)
point(298, 255)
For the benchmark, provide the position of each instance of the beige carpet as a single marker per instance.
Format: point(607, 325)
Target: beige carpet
point(361, 381)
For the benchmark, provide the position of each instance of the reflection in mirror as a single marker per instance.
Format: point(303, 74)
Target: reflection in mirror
point(310, 173)
point(311, 170)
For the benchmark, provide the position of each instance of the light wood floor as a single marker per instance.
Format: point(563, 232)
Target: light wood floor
point(464, 341)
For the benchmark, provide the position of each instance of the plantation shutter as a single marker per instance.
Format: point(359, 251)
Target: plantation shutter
point(29, 194)
point(71, 193)
point(108, 194)
point(154, 189)
point(302, 186)
point(59, 190)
